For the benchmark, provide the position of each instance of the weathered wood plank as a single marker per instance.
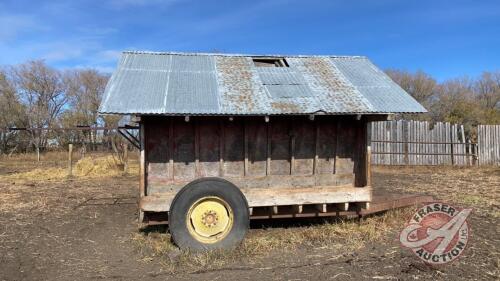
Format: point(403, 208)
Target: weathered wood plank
point(275, 197)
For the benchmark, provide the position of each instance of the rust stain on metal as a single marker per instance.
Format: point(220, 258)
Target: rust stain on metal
point(285, 106)
point(338, 93)
point(237, 89)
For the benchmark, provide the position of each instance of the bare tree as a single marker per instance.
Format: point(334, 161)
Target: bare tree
point(488, 89)
point(42, 91)
point(84, 91)
point(12, 112)
point(419, 85)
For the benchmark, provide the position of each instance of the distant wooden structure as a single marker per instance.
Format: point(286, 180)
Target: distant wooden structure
point(405, 142)
point(488, 144)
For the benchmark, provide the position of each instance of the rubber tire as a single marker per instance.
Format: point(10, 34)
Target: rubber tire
point(197, 189)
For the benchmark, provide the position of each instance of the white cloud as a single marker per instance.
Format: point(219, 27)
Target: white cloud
point(109, 55)
point(13, 25)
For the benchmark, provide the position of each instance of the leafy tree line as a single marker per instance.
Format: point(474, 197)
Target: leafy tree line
point(34, 94)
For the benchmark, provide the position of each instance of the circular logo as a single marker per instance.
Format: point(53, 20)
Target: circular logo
point(437, 233)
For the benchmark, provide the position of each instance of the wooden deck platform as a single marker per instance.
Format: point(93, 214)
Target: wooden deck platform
point(381, 201)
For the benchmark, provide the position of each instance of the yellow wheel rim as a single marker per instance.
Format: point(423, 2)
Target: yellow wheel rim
point(209, 219)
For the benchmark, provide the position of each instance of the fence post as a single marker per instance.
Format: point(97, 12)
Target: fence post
point(125, 158)
point(70, 160)
point(38, 154)
point(451, 143)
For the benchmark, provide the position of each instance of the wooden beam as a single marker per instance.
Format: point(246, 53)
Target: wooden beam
point(221, 148)
point(292, 155)
point(70, 160)
point(142, 162)
point(334, 147)
point(245, 136)
point(269, 197)
point(268, 154)
point(171, 149)
point(316, 149)
point(368, 165)
point(197, 171)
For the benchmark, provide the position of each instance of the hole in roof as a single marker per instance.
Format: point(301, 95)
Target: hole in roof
point(270, 62)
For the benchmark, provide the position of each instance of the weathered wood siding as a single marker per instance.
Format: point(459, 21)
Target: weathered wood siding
point(488, 143)
point(252, 153)
point(420, 143)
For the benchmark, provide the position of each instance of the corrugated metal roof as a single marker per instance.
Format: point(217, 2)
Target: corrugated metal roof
point(194, 83)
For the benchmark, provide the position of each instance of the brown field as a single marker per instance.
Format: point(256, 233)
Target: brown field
point(83, 228)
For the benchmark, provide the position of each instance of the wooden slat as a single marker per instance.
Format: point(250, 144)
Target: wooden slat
point(262, 197)
point(268, 150)
point(221, 148)
point(245, 164)
point(171, 149)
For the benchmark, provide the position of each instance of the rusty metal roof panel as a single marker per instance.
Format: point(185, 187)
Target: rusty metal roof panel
point(280, 76)
point(383, 93)
point(333, 92)
point(178, 83)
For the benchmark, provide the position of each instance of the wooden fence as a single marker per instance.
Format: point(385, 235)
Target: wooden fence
point(420, 143)
point(488, 144)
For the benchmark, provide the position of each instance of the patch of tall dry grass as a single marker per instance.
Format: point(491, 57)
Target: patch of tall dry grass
point(88, 167)
point(339, 236)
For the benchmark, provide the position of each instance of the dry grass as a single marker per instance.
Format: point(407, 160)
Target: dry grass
point(342, 236)
point(476, 187)
point(88, 167)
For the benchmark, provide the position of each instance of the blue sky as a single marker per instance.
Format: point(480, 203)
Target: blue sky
point(444, 38)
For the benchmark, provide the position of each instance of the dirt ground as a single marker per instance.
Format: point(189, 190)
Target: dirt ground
point(85, 229)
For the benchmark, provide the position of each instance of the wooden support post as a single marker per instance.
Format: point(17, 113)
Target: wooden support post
point(268, 154)
point(142, 162)
point(275, 210)
point(405, 148)
point(125, 157)
point(335, 148)
point(70, 160)
point(292, 155)
point(84, 150)
point(342, 206)
point(197, 171)
point(245, 137)
point(170, 149)
point(297, 209)
point(451, 145)
point(316, 149)
point(38, 154)
point(368, 165)
point(221, 148)
point(321, 208)
point(364, 205)
point(250, 211)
